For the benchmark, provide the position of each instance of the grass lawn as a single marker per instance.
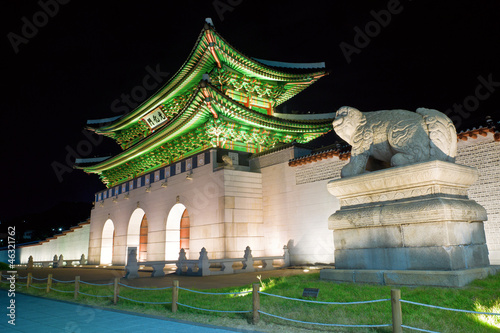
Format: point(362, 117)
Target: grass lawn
point(481, 295)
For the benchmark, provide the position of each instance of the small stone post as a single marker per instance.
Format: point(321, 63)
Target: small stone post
point(175, 295)
point(77, 286)
point(116, 291)
point(28, 281)
point(286, 256)
point(49, 283)
point(256, 303)
point(397, 317)
point(30, 262)
point(203, 265)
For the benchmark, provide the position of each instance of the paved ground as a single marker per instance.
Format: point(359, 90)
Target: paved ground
point(41, 315)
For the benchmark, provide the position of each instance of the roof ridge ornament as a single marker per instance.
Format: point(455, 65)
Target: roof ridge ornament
point(208, 21)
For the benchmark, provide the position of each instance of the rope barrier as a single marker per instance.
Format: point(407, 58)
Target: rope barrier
point(133, 300)
point(209, 310)
point(71, 281)
point(81, 292)
point(6, 276)
point(121, 284)
point(207, 293)
point(331, 303)
point(22, 277)
point(32, 286)
point(62, 291)
point(98, 284)
point(311, 323)
point(418, 329)
point(34, 278)
point(450, 309)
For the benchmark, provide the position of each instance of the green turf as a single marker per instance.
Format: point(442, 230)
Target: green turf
point(481, 295)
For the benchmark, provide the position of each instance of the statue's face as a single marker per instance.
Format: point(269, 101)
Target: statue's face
point(344, 124)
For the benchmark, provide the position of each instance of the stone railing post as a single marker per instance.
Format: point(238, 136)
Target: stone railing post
point(180, 262)
point(60, 262)
point(132, 267)
point(286, 256)
point(203, 264)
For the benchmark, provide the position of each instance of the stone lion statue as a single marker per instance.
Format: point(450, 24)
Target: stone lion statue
point(398, 137)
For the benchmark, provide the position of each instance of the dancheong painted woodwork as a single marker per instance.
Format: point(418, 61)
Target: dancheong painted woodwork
point(218, 98)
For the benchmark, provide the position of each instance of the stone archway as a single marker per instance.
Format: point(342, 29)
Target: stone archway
point(176, 234)
point(107, 243)
point(135, 233)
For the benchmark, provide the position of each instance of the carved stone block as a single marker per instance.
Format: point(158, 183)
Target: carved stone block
point(415, 217)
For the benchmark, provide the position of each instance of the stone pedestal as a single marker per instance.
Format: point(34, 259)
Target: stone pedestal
point(416, 218)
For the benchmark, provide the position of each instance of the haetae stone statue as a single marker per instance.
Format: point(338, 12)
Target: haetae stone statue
point(398, 137)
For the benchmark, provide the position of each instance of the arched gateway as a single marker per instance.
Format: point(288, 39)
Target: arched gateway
point(107, 242)
point(177, 232)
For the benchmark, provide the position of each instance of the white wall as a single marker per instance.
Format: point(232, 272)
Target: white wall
point(71, 245)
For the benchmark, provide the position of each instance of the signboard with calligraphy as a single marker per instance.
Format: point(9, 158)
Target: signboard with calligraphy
point(155, 118)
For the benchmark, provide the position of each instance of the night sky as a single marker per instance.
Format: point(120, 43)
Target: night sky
point(83, 56)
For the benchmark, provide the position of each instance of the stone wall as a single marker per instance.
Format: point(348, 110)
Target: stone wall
point(296, 214)
point(483, 153)
point(71, 245)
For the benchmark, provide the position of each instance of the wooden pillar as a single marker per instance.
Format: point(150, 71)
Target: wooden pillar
point(28, 281)
point(49, 282)
point(175, 295)
point(77, 286)
point(116, 291)
point(256, 303)
point(397, 317)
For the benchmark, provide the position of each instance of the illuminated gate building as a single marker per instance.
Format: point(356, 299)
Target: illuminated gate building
point(195, 169)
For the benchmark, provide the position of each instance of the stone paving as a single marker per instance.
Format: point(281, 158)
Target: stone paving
point(37, 314)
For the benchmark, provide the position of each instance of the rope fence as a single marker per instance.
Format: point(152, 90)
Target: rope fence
point(329, 303)
point(97, 284)
point(322, 324)
point(256, 311)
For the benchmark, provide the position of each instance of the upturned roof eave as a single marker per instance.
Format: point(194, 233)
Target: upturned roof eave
point(166, 92)
point(182, 123)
